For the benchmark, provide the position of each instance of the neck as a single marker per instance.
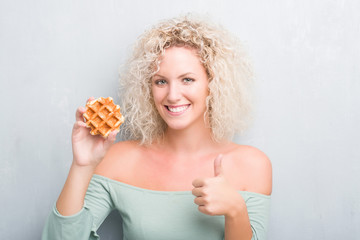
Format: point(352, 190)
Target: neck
point(188, 141)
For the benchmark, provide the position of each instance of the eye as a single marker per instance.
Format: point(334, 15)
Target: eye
point(188, 80)
point(160, 82)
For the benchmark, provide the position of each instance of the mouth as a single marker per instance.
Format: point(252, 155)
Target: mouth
point(177, 110)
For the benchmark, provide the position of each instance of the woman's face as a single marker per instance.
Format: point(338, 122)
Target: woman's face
point(180, 88)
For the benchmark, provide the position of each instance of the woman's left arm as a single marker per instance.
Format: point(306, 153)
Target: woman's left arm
point(237, 223)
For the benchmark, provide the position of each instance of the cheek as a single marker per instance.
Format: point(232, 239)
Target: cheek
point(204, 96)
point(157, 95)
point(201, 94)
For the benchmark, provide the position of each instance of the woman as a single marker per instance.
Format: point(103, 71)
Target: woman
point(185, 92)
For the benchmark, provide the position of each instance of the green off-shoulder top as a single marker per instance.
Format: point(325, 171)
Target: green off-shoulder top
point(149, 214)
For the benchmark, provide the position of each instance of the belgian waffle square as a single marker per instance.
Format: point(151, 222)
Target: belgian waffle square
point(103, 116)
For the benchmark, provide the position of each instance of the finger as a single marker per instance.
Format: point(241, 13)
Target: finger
point(205, 210)
point(217, 165)
point(112, 135)
point(202, 209)
point(199, 182)
point(79, 114)
point(78, 125)
point(198, 192)
point(82, 124)
point(110, 139)
point(90, 99)
point(200, 201)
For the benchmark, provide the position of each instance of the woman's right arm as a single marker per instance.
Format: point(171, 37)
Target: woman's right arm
point(71, 199)
point(88, 152)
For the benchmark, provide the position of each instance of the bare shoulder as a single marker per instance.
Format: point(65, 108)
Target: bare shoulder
point(253, 168)
point(118, 159)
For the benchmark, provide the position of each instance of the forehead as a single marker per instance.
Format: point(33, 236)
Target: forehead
point(180, 59)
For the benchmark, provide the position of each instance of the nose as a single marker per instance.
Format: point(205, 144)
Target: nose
point(174, 93)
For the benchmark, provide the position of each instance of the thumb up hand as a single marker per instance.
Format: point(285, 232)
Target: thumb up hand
point(214, 195)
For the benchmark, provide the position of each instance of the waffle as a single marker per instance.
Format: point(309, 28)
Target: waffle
point(103, 116)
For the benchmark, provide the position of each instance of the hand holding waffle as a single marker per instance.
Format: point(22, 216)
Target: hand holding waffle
point(104, 119)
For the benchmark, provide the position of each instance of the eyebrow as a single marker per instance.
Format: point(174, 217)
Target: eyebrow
point(180, 76)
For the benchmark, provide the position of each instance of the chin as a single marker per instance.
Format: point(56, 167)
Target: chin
point(182, 125)
point(176, 126)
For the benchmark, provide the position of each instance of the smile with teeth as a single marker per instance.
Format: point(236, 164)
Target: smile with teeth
point(177, 109)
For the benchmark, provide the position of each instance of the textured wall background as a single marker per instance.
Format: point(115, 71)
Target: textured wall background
point(55, 54)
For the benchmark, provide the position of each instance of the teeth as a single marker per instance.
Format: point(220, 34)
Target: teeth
point(178, 109)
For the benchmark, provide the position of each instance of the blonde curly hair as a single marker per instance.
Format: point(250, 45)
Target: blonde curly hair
point(227, 66)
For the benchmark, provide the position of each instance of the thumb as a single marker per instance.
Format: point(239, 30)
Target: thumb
point(110, 139)
point(217, 165)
